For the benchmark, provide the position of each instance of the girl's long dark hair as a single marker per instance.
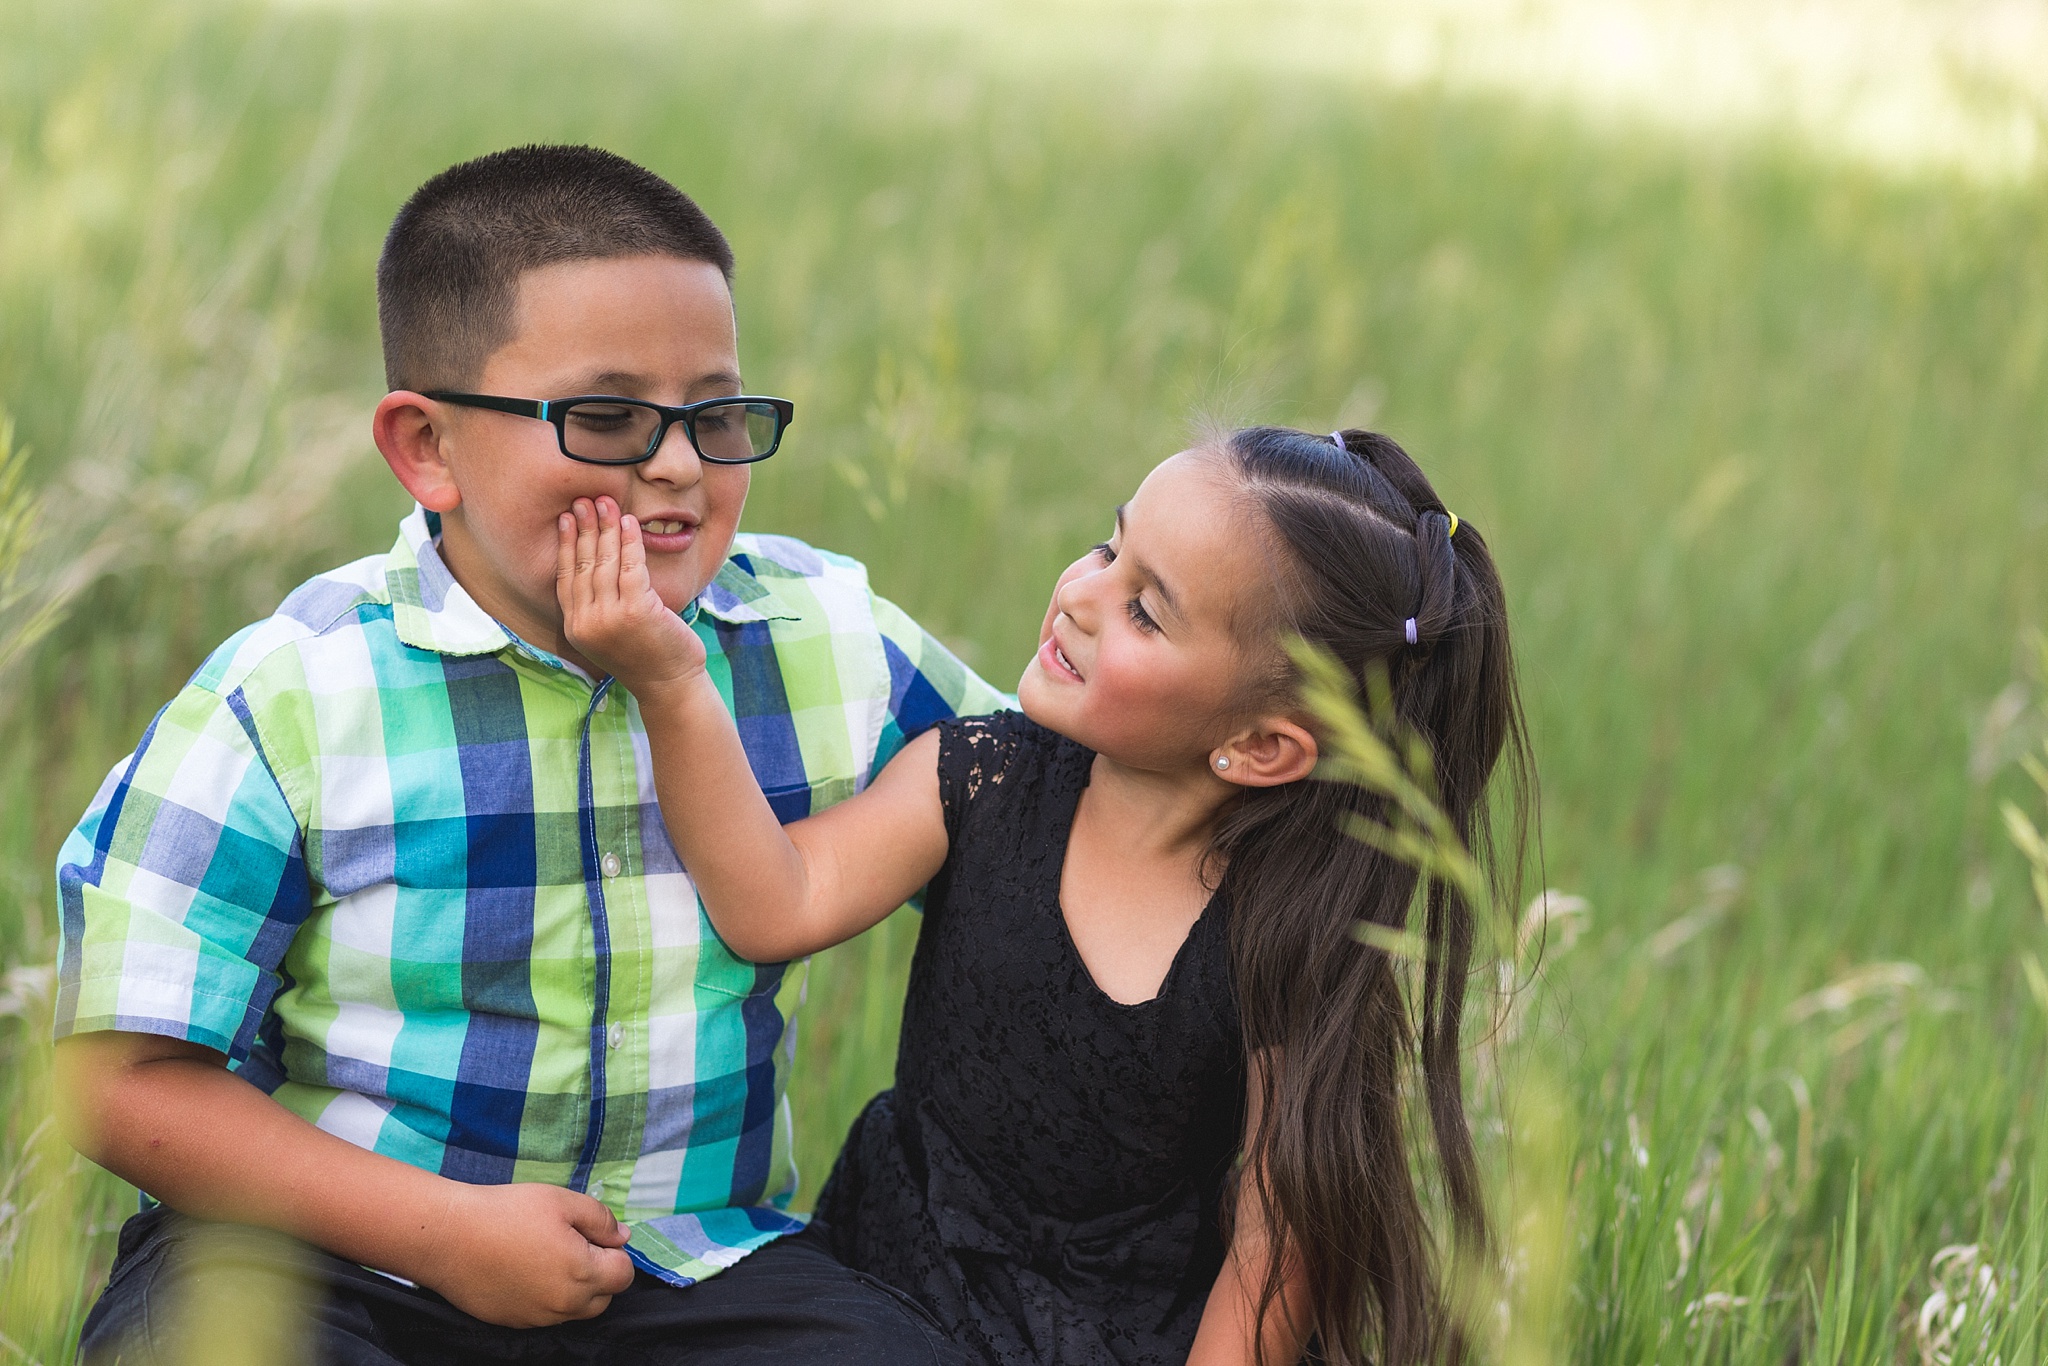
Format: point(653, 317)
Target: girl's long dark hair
point(1363, 544)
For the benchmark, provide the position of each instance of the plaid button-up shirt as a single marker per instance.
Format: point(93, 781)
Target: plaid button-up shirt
point(407, 872)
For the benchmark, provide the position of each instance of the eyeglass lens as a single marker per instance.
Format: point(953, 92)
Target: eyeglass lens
point(619, 433)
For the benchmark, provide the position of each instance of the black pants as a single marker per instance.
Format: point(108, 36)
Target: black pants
point(789, 1302)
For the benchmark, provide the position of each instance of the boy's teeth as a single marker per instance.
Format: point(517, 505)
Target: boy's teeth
point(664, 528)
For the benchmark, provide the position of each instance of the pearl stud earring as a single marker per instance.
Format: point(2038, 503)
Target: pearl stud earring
point(1223, 761)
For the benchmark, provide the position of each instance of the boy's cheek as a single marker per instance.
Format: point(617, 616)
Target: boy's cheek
point(725, 490)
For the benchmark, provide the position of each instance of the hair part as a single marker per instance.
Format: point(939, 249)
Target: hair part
point(1363, 545)
point(448, 277)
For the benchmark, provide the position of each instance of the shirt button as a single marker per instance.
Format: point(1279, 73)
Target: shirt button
point(611, 865)
point(604, 700)
point(616, 1035)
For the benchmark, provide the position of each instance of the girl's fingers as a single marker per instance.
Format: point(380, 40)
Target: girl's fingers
point(600, 558)
point(586, 547)
point(565, 560)
point(607, 549)
point(633, 580)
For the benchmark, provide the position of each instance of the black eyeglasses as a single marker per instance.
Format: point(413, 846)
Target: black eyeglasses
point(601, 429)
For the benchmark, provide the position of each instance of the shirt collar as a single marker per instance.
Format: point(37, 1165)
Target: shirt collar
point(431, 611)
point(736, 595)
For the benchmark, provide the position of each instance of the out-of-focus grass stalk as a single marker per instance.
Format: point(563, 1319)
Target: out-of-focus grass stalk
point(44, 1195)
point(28, 610)
point(1396, 766)
point(1510, 1297)
point(2033, 845)
point(240, 1295)
point(50, 1198)
point(1833, 1303)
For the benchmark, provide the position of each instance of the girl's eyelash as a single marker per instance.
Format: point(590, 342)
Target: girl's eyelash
point(1140, 618)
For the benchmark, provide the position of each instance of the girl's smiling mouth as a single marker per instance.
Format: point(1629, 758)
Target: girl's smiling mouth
point(1055, 662)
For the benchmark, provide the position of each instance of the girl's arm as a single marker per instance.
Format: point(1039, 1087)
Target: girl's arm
point(774, 892)
point(1231, 1332)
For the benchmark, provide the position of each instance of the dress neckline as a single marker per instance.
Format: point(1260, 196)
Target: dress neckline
point(1063, 834)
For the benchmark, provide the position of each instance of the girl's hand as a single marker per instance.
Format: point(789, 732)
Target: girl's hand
point(610, 611)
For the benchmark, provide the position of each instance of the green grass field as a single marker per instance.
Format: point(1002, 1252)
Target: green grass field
point(1758, 439)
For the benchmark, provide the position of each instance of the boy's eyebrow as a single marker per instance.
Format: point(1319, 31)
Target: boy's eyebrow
point(1148, 572)
point(615, 381)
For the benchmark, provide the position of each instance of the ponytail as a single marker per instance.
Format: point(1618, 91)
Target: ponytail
point(1376, 572)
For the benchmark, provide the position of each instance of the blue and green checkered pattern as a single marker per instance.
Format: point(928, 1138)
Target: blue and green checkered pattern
point(408, 874)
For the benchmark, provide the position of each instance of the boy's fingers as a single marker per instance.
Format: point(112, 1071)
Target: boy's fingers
point(597, 1305)
point(614, 1269)
point(598, 1225)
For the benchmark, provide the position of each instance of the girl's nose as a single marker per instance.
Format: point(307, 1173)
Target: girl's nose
point(1074, 598)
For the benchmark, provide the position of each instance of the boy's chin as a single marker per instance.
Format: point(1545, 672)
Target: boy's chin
point(679, 578)
point(678, 602)
point(678, 591)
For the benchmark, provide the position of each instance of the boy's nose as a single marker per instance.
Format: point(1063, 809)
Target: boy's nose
point(674, 462)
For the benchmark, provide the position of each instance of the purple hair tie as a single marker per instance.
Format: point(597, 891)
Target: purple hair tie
point(1337, 440)
point(1408, 629)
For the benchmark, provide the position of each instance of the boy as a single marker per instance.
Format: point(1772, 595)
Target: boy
point(378, 940)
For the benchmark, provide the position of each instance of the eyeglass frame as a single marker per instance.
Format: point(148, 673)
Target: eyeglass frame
point(554, 411)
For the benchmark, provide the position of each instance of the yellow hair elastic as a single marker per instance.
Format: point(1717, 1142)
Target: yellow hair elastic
point(1454, 525)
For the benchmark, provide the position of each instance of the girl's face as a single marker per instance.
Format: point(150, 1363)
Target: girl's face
point(1140, 657)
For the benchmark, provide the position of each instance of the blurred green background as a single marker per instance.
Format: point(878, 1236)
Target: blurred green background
point(1757, 427)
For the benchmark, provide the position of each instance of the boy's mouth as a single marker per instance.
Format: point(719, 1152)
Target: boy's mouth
point(668, 534)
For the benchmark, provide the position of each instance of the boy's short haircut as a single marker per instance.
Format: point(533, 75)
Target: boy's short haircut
point(447, 280)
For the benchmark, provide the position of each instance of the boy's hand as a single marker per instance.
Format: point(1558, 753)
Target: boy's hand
point(610, 610)
point(168, 1115)
point(529, 1255)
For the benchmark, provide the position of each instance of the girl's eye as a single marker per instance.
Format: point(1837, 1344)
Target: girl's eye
point(1141, 618)
point(1106, 552)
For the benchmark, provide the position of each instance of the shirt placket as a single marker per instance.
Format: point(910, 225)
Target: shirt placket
point(621, 931)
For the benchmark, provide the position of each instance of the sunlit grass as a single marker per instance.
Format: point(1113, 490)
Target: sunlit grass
point(1959, 87)
point(1757, 439)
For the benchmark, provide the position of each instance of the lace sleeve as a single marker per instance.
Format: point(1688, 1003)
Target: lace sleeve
point(975, 754)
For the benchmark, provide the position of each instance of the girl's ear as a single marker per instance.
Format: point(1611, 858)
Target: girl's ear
point(1275, 750)
point(407, 431)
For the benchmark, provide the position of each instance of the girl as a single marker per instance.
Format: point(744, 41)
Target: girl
point(1139, 963)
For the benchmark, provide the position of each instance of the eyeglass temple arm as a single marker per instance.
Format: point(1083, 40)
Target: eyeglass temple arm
point(523, 407)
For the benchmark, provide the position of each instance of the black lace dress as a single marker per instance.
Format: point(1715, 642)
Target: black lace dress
point(1044, 1177)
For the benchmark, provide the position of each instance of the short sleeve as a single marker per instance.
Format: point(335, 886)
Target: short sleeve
point(976, 754)
point(927, 683)
point(183, 885)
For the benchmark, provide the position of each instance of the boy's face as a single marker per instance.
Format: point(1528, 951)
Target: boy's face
point(648, 327)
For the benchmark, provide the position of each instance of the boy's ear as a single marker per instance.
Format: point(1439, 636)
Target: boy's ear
point(1275, 750)
point(406, 428)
